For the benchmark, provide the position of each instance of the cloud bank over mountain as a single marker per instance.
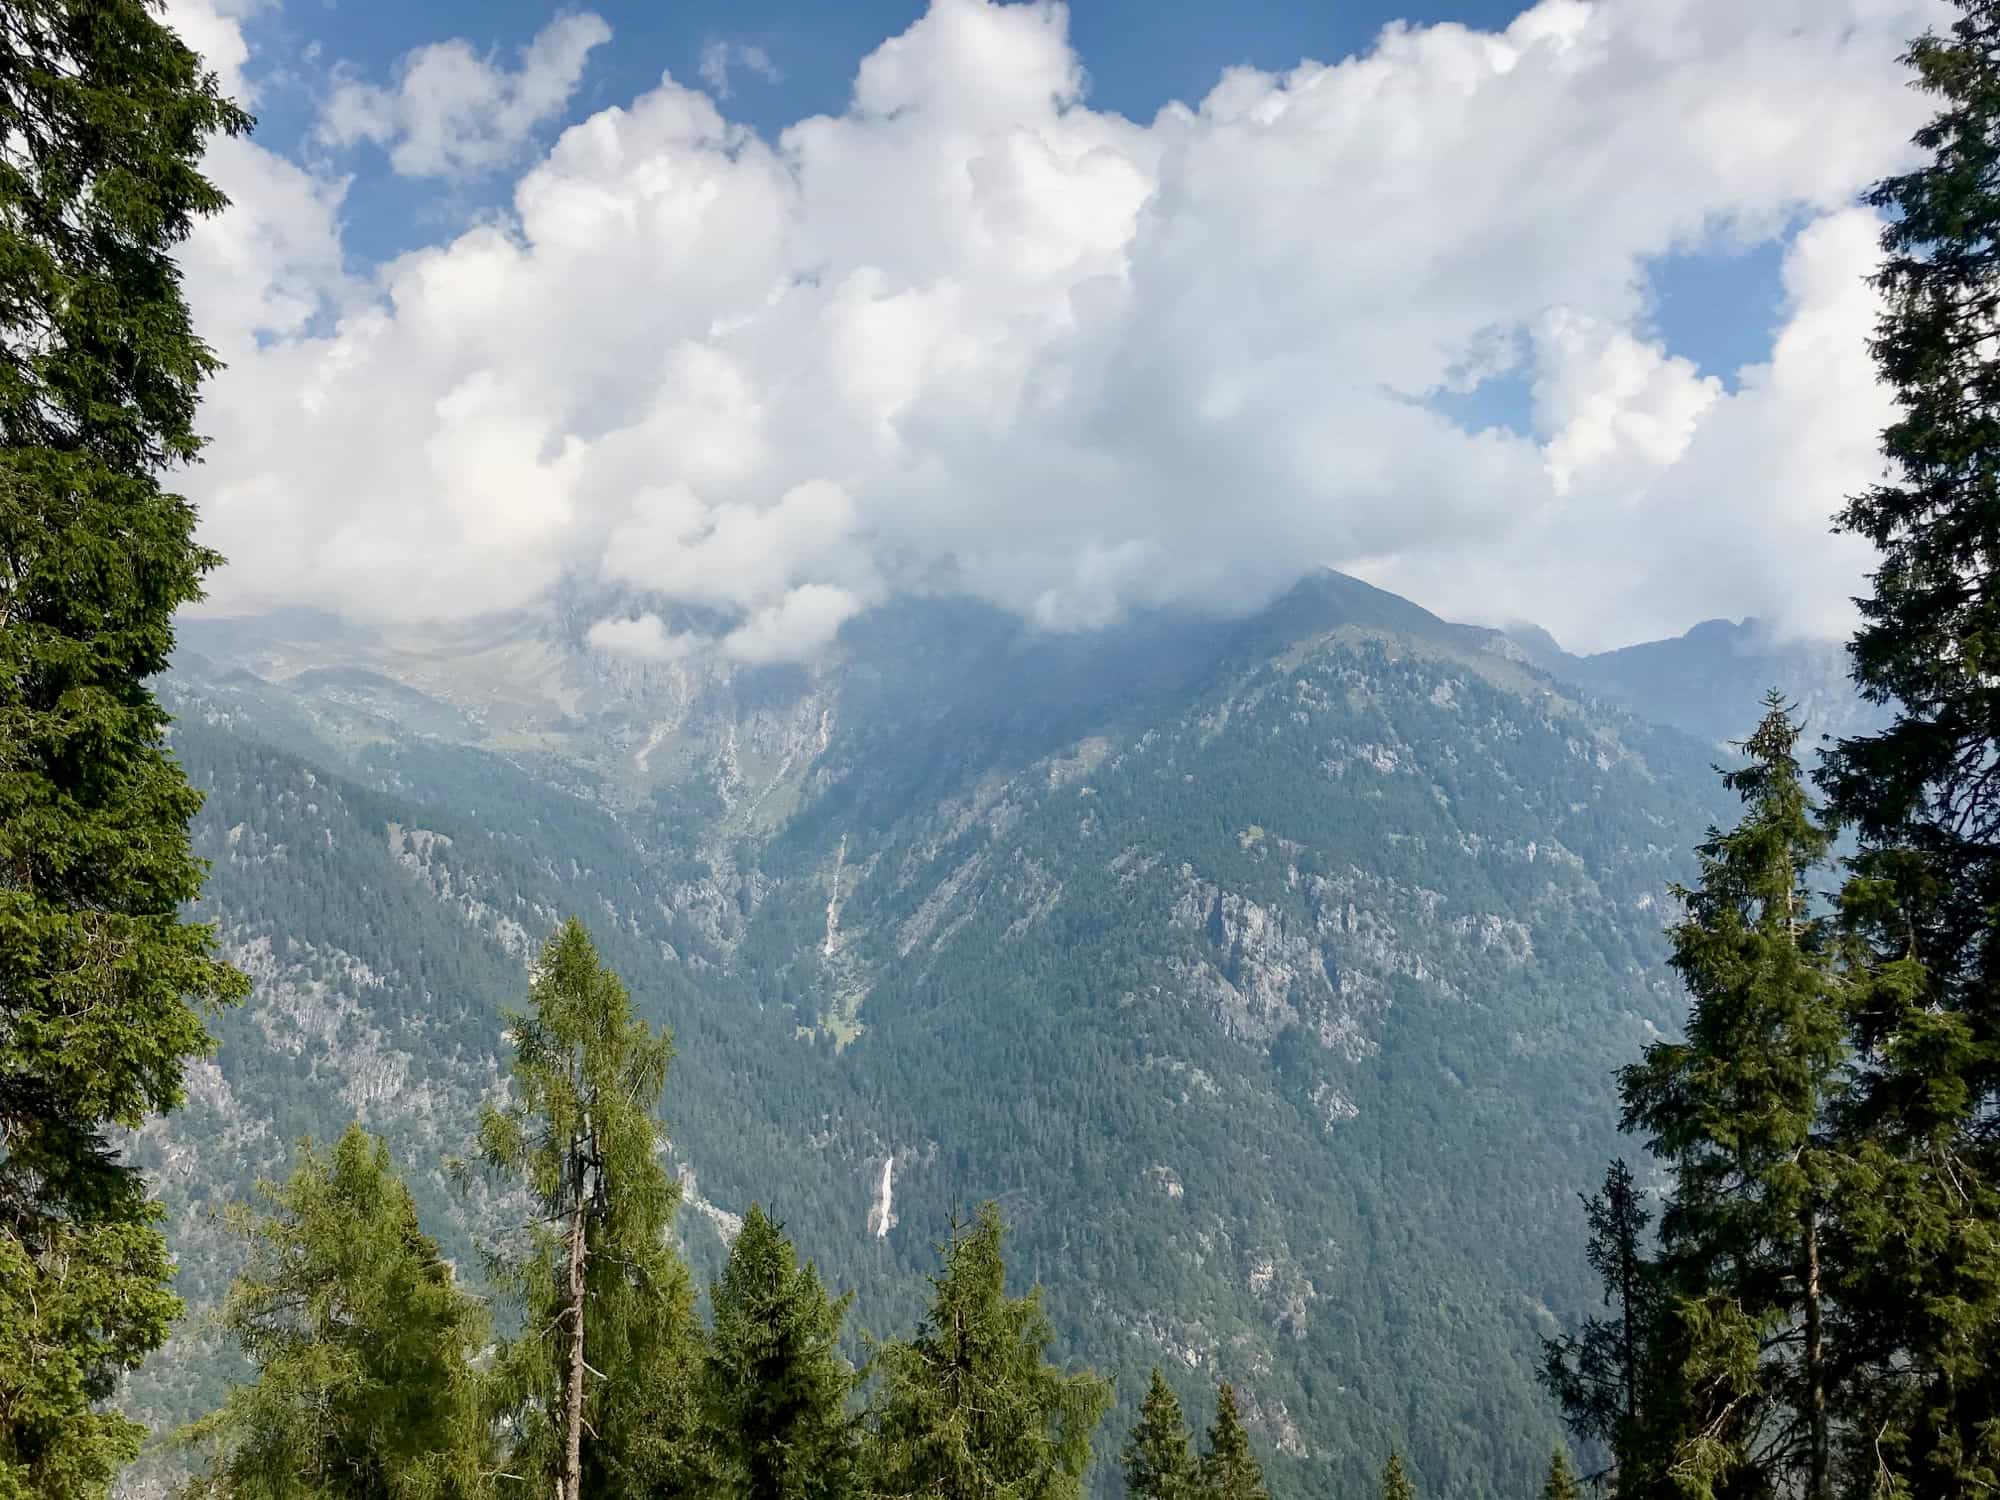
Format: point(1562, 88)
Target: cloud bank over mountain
point(971, 330)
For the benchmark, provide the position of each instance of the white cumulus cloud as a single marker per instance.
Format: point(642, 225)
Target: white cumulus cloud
point(720, 58)
point(214, 28)
point(1090, 363)
point(453, 112)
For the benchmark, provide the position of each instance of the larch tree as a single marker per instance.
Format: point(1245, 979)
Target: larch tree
point(775, 1388)
point(599, 1391)
point(1159, 1454)
point(1228, 1469)
point(1924, 798)
point(104, 115)
point(1738, 1113)
point(1562, 1481)
point(361, 1341)
point(1396, 1483)
point(970, 1408)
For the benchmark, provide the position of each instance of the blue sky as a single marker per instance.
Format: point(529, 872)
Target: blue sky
point(1552, 311)
point(1140, 55)
point(1718, 305)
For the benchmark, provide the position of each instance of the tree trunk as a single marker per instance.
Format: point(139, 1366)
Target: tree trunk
point(1628, 1276)
point(572, 1483)
point(1815, 1360)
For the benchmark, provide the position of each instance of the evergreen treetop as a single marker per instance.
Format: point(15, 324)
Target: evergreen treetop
point(1396, 1483)
point(969, 1408)
point(1229, 1470)
point(1562, 1482)
point(362, 1343)
point(775, 1387)
point(1598, 1376)
point(1738, 1114)
point(1159, 1454)
point(600, 1391)
point(1921, 792)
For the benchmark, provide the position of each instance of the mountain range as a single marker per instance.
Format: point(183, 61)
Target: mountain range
point(1269, 972)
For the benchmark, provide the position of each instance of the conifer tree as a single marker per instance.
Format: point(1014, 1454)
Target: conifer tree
point(1229, 1470)
point(1921, 791)
point(104, 115)
point(1738, 1114)
point(1395, 1483)
point(1562, 1482)
point(969, 1408)
point(361, 1341)
point(774, 1386)
point(1598, 1375)
point(1159, 1455)
point(1924, 892)
point(601, 1386)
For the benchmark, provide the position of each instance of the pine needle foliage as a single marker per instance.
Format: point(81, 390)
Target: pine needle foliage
point(1922, 792)
point(1598, 1375)
point(775, 1388)
point(1229, 1470)
point(104, 116)
point(1924, 795)
point(969, 1408)
point(1738, 1114)
point(1159, 1452)
point(362, 1342)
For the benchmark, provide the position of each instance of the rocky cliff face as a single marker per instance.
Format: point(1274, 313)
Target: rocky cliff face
point(1270, 974)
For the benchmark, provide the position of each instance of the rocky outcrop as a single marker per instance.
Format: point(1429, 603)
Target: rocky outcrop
point(1259, 972)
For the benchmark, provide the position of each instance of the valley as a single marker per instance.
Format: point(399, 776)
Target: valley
point(1268, 973)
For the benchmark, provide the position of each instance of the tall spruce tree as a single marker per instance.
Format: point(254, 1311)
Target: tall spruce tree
point(1159, 1454)
point(1598, 1376)
point(362, 1344)
point(1229, 1470)
point(969, 1408)
point(775, 1388)
point(1738, 1113)
point(1923, 792)
point(1396, 1483)
point(1924, 795)
point(601, 1388)
point(104, 115)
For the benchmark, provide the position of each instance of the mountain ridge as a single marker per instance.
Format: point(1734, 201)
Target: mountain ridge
point(1220, 952)
point(1701, 680)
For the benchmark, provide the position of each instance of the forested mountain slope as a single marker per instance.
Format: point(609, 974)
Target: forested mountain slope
point(1270, 973)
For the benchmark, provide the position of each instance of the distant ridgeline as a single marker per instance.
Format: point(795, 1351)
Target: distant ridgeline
point(1700, 681)
point(1269, 975)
